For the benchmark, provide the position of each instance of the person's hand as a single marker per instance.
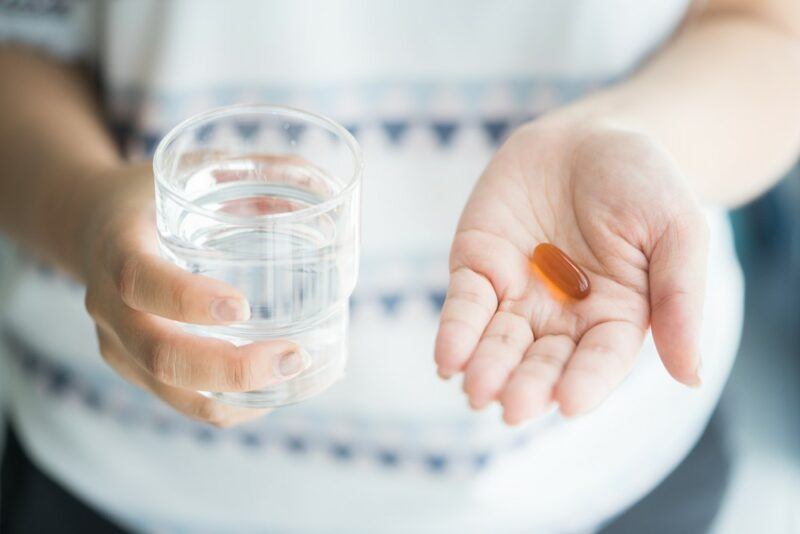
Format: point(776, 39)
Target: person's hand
point(134, 297)
point(616, 204)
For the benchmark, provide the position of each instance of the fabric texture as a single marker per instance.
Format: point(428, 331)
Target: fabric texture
point(430, 90)
point(686, 501)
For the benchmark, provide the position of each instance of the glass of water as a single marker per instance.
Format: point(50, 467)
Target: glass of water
point(266, 198)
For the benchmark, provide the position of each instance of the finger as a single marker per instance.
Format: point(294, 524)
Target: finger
point(499, 351)
point(677, 290)
point(115, 356)
point(603, 358)
point(529, 391)
point(470, 303)
point(151, 284)
point(189, 403)
point(176, 358)
point(203, 409)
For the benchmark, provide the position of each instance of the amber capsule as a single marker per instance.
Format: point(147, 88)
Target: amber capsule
point(560, 272)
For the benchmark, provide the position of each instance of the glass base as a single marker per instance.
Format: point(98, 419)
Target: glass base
point(295, 390)
point(325, 342)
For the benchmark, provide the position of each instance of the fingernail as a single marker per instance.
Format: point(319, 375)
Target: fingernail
point(291, 363)
point(230, 310)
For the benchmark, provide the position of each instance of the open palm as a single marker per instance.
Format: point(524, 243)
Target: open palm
point(616, 204)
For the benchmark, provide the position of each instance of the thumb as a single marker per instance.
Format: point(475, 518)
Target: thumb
point(677, 277)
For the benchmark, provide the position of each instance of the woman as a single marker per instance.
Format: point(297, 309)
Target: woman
point(621, 123)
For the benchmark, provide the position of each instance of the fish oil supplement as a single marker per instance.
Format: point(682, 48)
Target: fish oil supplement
point(560, 272)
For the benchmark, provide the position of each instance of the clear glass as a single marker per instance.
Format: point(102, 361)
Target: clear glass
point(266, 198)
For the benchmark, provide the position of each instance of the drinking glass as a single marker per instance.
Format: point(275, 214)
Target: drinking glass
point(266, 198)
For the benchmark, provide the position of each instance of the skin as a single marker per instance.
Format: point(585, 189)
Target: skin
point(612, 200)
point(613, 180)
point(134, 296)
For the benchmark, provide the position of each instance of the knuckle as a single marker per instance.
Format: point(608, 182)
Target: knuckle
point(470, 298)
point(239, 374)
point(210, 412)
point(502, 338)
point(161, 362)
point(127, 278)
point(616, 364)
point(179, 296)
point(668, 299)
point(601, 349)
point(548, 359)
point(460, 323)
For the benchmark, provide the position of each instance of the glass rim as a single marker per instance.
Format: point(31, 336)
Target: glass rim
point(268, 109)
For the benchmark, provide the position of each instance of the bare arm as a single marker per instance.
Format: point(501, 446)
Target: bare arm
point(54, 148)
point(613, 181)
point(65, 192)
point(723, 98)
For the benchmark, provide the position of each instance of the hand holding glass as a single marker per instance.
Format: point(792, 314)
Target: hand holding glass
point(266, 199)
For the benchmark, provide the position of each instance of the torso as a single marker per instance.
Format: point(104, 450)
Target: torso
point(429, 89)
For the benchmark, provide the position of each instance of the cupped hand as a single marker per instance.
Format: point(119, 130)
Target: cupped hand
point(135, 297)
point(615, 202)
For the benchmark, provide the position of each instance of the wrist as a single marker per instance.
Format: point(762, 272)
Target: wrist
point(610, 116)
point(611, 108)
point(107, 192)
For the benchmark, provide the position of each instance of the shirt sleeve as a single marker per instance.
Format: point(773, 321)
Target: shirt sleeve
point(63, 28)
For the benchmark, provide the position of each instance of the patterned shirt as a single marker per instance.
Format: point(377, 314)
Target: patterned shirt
point(430, 90)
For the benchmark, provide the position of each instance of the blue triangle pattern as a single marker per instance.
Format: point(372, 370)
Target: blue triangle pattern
point(164, 426)
point(247, 130)
point(150, 143)
point(445, 131)
point(353, 129)
point(28, 362)
point(355, 303)
point(495, 129)
point(388, 458)
point(44, 269)
point(436, 298)
point(296, 444)
point(205, 435)
point(293, 131)
point(436, 462)
point(341, 451)
point(129, 416)
point(121, 131)
point(250, 439)
point(481, 460)
point(390, 303)
point(58, 381)
point(204, 132)
point(395, 130)
point(92, 400)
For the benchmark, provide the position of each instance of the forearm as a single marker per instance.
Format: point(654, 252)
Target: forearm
point(724, 98)
point(53, 149)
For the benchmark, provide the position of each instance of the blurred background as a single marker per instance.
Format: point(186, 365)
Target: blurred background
point(761, 403)
point(760, 407)
point(759, 414)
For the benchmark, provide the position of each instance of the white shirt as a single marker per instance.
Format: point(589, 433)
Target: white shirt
point(429, 88)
